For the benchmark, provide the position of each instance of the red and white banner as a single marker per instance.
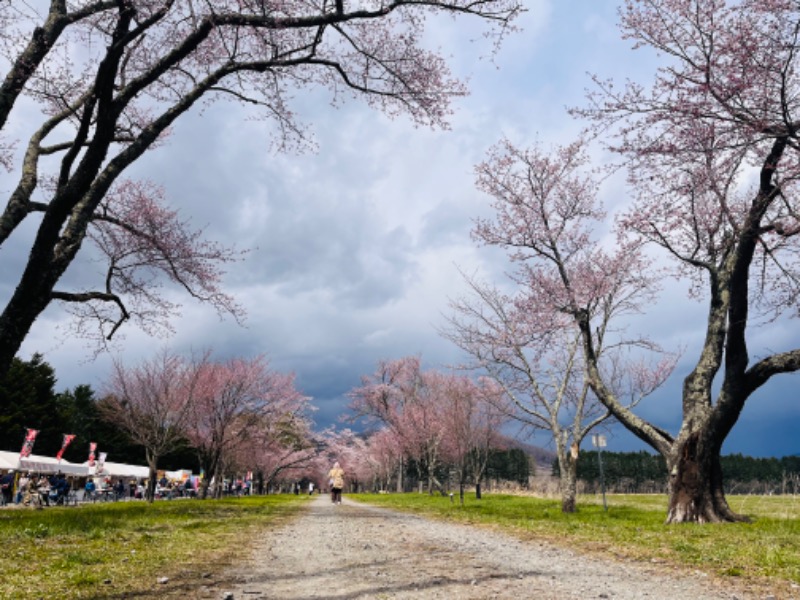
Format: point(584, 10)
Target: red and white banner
point(27, 445)
point(68, 437)
point(92, 448)
point(101, 460)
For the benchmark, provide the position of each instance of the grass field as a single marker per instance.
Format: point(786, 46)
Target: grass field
point(123, 549)
point(764, 554)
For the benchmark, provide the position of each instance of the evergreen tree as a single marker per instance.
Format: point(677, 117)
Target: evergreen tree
point(79, 408)
point(28, 400)
point(509, 465)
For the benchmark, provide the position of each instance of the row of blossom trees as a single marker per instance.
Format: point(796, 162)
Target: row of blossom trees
point(241, 415)
point(430, 418)
point(238, 414)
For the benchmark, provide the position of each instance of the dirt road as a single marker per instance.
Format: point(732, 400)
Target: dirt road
point(352, 551)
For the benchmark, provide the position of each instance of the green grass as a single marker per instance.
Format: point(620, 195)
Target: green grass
point(118, 550)
point(762, 554)
point(121, 549)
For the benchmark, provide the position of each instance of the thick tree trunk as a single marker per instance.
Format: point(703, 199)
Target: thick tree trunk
point(568, 492)
point(696, 493)
point(208, 464)
point(28, 302)
point(569, 484)
point(204, 488)
point(218, 482)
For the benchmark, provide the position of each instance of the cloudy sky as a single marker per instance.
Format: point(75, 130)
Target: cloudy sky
point(355, 248)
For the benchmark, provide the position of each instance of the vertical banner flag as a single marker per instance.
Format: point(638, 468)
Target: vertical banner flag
point(101, 460)
point(68, 437)
point(27, 445)
point(92, 448)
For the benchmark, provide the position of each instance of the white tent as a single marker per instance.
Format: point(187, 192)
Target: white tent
point(7, 461)
point(40, 464)
point(49, 464)
point(119, 470)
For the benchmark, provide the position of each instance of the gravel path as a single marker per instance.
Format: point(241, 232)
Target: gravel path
point(353, 551)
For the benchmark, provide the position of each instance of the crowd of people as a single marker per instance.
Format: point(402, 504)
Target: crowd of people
point(26, 488)
point(35, 489)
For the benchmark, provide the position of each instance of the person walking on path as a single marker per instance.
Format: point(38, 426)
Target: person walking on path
point(336, 476)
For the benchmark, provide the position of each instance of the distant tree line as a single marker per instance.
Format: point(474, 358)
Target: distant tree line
point(503, 466)
point(512, 465)
point(643, 472)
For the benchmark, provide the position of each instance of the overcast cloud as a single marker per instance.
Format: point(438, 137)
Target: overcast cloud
point(355, 248)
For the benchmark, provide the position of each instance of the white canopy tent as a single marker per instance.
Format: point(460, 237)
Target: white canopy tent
point(49, 464)
point(119, 470)
point(40, 464)
point(6, 462)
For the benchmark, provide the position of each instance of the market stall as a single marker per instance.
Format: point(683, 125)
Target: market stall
point(40, 464)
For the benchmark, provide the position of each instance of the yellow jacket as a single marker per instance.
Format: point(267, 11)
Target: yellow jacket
point(336, 475)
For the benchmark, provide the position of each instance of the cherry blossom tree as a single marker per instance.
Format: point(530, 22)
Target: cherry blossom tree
point(233, 402)
point(404, 398)
point(422, 428)
point(536, 356)
point(472, 414)
point(111, 78)
point(437, 420)
point(559, 346)
point(540, 372)
point(151, 402)
point(280, 446)
point(380, 399)
point(383, 454)
point(712, 149)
